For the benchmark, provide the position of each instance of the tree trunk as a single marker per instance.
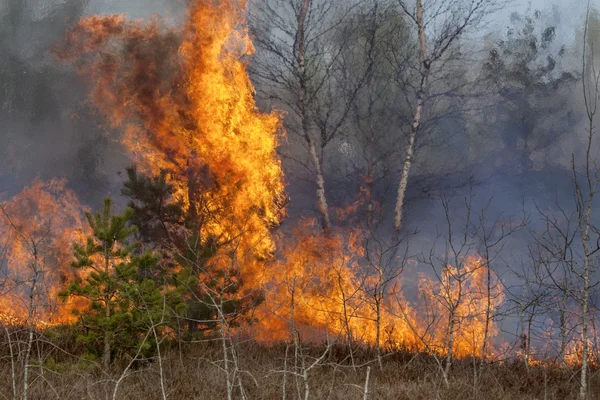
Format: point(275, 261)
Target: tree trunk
point(563, 325)
point(488, 313)
point(300, 59)
point(584, 227)
point(223, 329)
point(29, 339)
point(321, 199)
point(523, 337)
point(378, 331)
point(366, 389)
point(31, 314)
point(106, 353)
point(450, 345)
point(406, 167)
point(583, 385)
point(408, 158)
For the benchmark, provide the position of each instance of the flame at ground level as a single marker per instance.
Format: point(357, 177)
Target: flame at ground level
point(38, 228)
point(323, 284)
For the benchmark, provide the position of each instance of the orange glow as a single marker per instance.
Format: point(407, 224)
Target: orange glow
point(321, 285)
point(38, 230)
point(574, 353)
point(461, 296)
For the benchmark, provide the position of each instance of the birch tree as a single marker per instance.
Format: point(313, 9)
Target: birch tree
point(34, 243)
point(554, 256)
point(299, 65)
point(439, 26)
point(585, 181)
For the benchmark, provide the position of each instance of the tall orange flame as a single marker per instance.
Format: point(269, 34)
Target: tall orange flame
point(189, 108)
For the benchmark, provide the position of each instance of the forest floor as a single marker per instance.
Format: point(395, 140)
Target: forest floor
point(196, 371)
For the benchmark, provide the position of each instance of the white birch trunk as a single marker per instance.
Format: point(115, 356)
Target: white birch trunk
point(408, 158)
point(301, 59)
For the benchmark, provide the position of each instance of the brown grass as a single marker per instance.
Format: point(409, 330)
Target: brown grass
point(191, 371)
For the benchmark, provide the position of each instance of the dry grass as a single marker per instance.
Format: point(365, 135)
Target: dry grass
point(191, 371)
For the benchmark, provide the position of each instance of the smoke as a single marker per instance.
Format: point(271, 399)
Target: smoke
point(49, 129)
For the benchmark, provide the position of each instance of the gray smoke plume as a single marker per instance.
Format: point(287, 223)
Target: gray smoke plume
point(47, 128)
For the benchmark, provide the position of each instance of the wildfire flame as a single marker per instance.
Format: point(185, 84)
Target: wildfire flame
point(189, 108)
point(186, 105)
point(319, 285)
point(38, 228)
point(462, 296)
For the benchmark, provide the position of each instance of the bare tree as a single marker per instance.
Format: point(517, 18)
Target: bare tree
point(217, 287)
point(300, 64)
point(302, 362)
point(382, 261)
point(571, 240)
point(34, 243)
point(553, 256)
point(459, 301)
point(492, 238)
point(385, 263)
point(585, 181)
point(439, 25)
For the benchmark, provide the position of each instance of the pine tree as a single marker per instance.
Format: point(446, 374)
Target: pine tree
point(156, 213)
point(167, 225)
point(121, 284)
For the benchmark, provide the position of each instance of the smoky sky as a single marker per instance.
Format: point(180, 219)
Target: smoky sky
point(48, 128)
